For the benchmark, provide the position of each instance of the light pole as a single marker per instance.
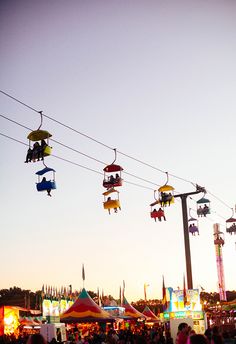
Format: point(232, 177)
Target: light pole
point(183, 198)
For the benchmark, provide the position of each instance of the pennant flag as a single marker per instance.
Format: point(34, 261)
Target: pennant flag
point(102, 297)
point(164, 301)
point(123, 292)
point(42, 292)
point(83, 273)
point(145, 291)
point(98, 296)
point(120, 297)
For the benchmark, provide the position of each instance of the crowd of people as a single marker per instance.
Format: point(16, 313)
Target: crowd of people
point(156, 335)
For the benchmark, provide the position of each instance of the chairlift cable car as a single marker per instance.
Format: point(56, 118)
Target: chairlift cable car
point(164, 197)
point(157, 214)
point(231, 224)
point(109, 181)
point(39, 150)
point(193, 224)
point(110, 203)
point(43, 184)
point(203, 206)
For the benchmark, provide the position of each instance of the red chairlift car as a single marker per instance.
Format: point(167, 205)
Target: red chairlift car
point(112, 175)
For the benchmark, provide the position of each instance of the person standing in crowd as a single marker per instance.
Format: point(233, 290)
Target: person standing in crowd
point(182, 335)
point(216, 335)
point(36, 339)
point(197, 339)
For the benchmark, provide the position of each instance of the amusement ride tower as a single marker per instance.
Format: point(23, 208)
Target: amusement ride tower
point(219, 242)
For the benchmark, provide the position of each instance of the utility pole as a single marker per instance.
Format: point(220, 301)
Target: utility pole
point(183, 198)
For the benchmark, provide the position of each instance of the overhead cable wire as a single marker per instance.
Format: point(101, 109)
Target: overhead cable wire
point(56, 121)
point(74, 163)
point(92, 170)
point(81, 153)
point(95, 140)
point(105, 145)
point(219, 200)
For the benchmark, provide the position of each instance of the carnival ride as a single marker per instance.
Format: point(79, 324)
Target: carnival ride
point(219, 243)
point(111, 196)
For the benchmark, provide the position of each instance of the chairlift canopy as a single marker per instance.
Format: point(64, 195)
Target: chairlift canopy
point(108, 192)
point(112, 168)
point(203, 200)
point(165, 188)
point(45, 170)
point(38, 135)
point(231, 219)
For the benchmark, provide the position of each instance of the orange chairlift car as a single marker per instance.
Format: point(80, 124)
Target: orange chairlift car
point(111, 200)
point(40, 148)
point(112, 175)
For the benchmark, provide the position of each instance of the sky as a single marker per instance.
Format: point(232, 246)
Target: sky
point(155, 80)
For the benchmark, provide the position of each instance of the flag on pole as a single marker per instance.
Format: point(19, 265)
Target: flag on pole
point(102, 297)
point(164, 301)
point(98, 296)
point(123, 292)
point(83, 273)
point(145, 291)
point(42, 292)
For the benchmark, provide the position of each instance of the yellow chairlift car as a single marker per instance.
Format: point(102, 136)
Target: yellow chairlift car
point(40, 148)
point(166, 196)
point(111, 200)
point(165, 193)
